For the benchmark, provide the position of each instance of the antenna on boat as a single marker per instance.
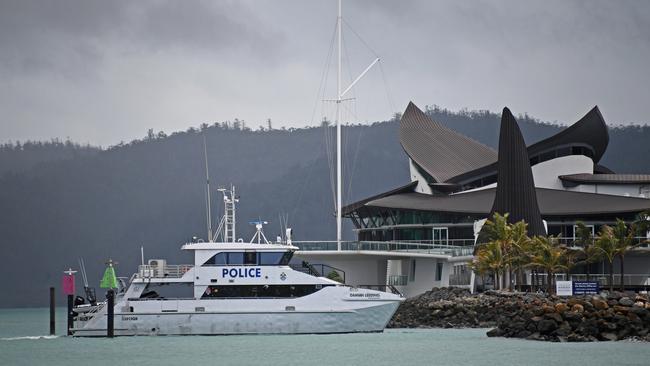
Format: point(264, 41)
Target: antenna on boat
point(89, 291)
point(259, 234)
point(207, 191)
point(227, 225)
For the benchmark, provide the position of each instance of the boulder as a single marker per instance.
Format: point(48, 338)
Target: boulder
point(561, 307)
point(621, 309)
point(496, 332)
point(535, 337)
point(546, 326)
point(608, 337)
point(548, 309)
point(577, 308)
point(576, 338)
point(554, 316)
point(626, 301)
point(600, 304)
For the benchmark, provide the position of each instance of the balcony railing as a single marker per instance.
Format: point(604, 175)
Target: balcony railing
point(458, 247)
point(641, 242)
point(163, 271)
point(460, 279)
point(601, 278)
point(398, 280)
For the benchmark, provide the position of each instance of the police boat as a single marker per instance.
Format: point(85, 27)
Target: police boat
point(236, 287)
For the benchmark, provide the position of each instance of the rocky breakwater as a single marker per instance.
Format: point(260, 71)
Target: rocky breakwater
point(449, 308)
point(606, 317)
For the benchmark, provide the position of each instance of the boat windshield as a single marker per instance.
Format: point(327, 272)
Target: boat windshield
point(250, 258)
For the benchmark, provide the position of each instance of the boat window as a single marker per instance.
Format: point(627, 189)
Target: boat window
point(270, 258)
point(286, 258)
point(220, 259)
point(168, 290)
point(260, 291)
point(250, 258)
point(235, 258)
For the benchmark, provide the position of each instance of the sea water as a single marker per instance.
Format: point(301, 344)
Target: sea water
point(24, 341)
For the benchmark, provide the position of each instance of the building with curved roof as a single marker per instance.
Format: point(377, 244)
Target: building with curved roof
point(456, 183)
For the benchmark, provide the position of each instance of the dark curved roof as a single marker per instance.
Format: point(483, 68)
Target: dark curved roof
point(552, 202)
point(356, 205)
point(590, 130)
point(438, 150)
point(515, 191)
point(607, 178)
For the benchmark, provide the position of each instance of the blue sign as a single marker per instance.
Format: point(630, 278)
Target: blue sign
point(585, 288)
point(242, 272)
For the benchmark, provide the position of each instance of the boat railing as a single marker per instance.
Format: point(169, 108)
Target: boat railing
point(163, 271)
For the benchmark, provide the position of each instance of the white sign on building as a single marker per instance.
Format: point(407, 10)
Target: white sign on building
point(564, 288)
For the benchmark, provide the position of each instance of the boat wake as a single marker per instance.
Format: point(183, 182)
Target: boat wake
point(29, 337)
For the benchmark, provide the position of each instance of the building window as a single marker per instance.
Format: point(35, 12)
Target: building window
point(575, 231)
point(439, 271)
point(412, 271)
point(440, 236)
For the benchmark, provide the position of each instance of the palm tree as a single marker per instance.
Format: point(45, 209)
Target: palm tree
point(548, 256)
point(625, 241)
point(607, 244)
point(480, 267)
point(499, 233)
point(522, 249)
point(585, 239)
point(489, 257)
point(570, 259)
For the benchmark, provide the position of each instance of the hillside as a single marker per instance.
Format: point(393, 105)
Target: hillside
point(61, 201)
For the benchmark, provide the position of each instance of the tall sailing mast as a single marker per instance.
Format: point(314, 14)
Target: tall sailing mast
point(339, 100)
point(339, 218)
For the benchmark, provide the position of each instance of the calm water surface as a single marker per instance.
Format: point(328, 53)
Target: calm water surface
point(23, 341)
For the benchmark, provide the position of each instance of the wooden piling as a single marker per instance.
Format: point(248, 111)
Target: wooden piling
point(52, 312)
point(110, 327)
point(70, 314)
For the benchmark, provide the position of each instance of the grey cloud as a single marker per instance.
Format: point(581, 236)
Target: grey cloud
point(104, 71)
point(71, 36)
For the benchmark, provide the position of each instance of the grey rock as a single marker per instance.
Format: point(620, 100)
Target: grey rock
point(626, 301)
point(546, 326)
point(609, 337)
point(496, 332)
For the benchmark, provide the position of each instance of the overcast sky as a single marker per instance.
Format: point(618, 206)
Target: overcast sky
point(105, 71)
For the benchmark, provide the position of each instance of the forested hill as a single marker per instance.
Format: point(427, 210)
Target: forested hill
point(61, 201)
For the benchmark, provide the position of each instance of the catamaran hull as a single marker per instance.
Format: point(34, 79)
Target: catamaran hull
point(371, 318)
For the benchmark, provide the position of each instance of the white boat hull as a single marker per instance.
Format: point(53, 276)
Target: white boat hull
point(314, 314)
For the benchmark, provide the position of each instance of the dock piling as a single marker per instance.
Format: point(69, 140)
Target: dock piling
point(110, 328)
point(70, 314)
point(52, 312)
